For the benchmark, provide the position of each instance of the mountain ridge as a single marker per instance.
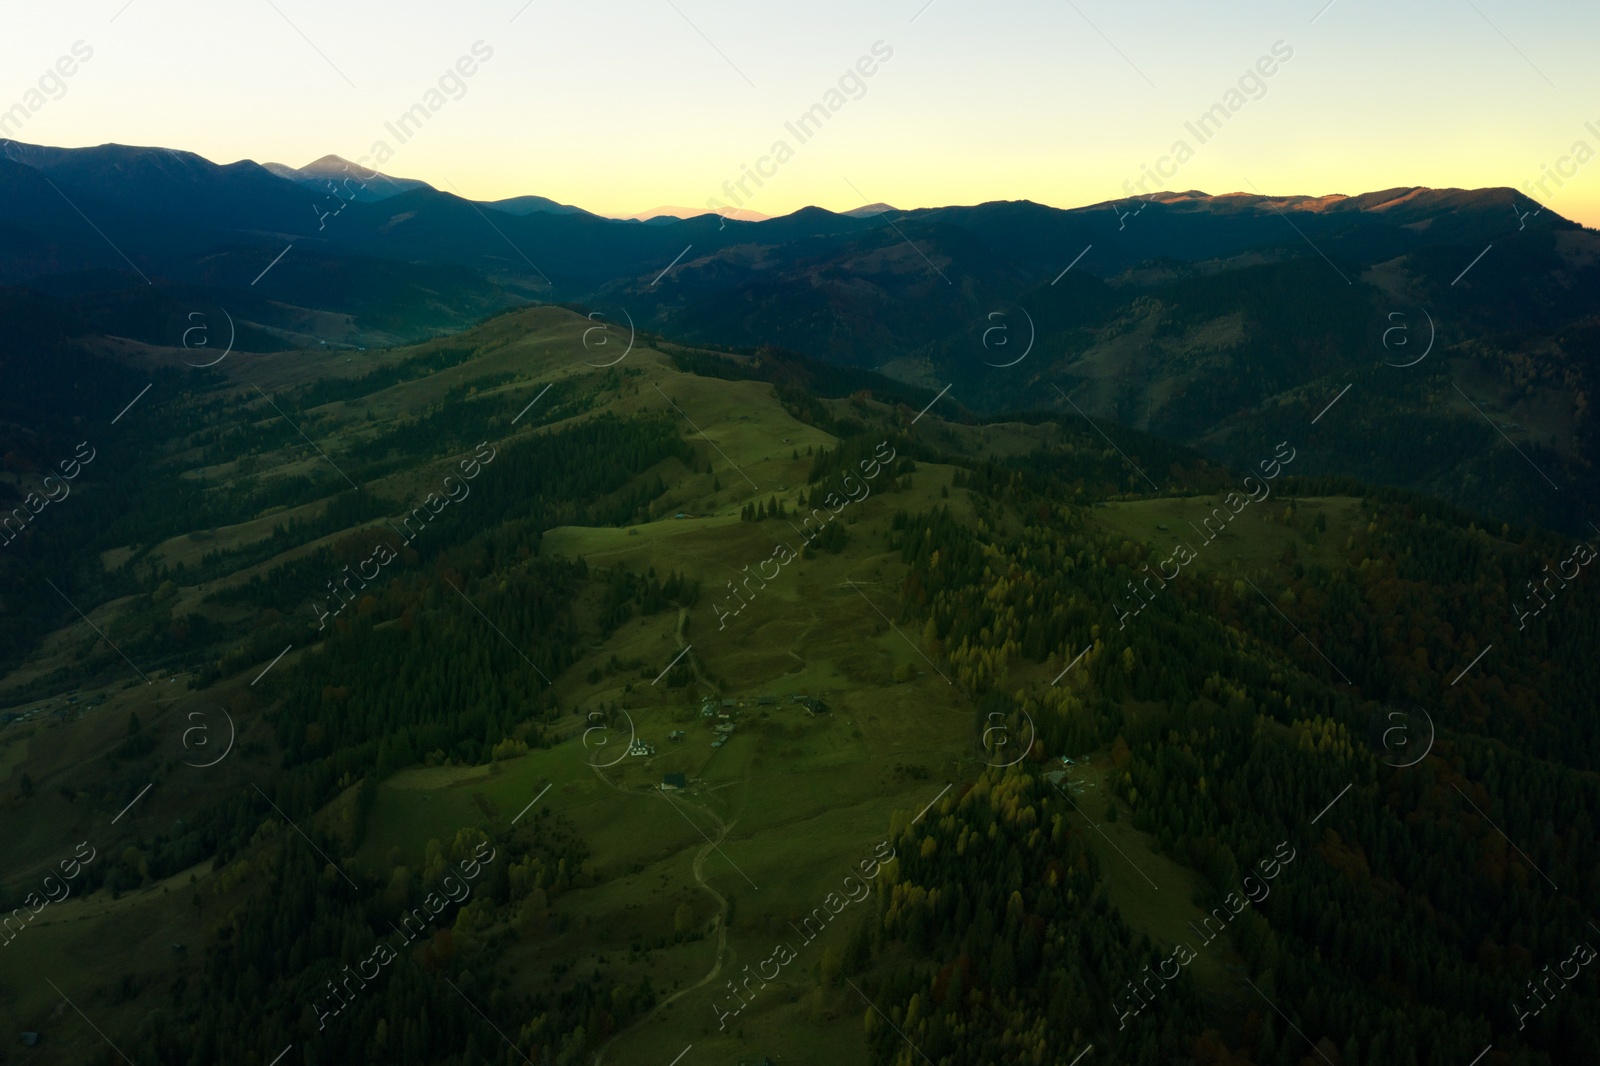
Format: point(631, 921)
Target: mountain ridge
point(1197, 317)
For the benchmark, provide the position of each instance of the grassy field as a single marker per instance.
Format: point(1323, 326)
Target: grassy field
point(1253, 540)
point(786, 783)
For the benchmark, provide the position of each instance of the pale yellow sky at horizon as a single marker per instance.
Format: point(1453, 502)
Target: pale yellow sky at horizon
point(624, 106)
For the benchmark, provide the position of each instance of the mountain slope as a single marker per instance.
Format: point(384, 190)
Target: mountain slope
point(435, 671)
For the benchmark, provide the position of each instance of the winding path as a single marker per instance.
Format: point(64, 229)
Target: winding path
point(722, 926)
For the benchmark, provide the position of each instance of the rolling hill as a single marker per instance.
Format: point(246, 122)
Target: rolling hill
point(391, 660)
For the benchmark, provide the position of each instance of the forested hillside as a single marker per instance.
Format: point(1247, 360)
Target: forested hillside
point(481, 703)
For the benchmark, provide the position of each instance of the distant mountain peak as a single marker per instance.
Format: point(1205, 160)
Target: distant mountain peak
point(368, 185)
point(333, 164)
point(533, 205)
point(738, 214)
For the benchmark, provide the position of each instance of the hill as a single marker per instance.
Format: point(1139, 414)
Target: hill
point(390, 660)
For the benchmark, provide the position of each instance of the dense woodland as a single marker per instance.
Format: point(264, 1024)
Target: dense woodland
point(1018, 953)
point(1410, 929)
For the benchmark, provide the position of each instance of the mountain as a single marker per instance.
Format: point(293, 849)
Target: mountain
point(350, 180)
point(1215, 321)
point(146, 190)
point(1211, 320)
point(743, 214)
point(529, 205)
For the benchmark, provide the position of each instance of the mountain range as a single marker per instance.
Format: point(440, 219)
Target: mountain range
point(1463, 318)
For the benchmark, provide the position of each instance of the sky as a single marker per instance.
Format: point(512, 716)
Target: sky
point(618, 106)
